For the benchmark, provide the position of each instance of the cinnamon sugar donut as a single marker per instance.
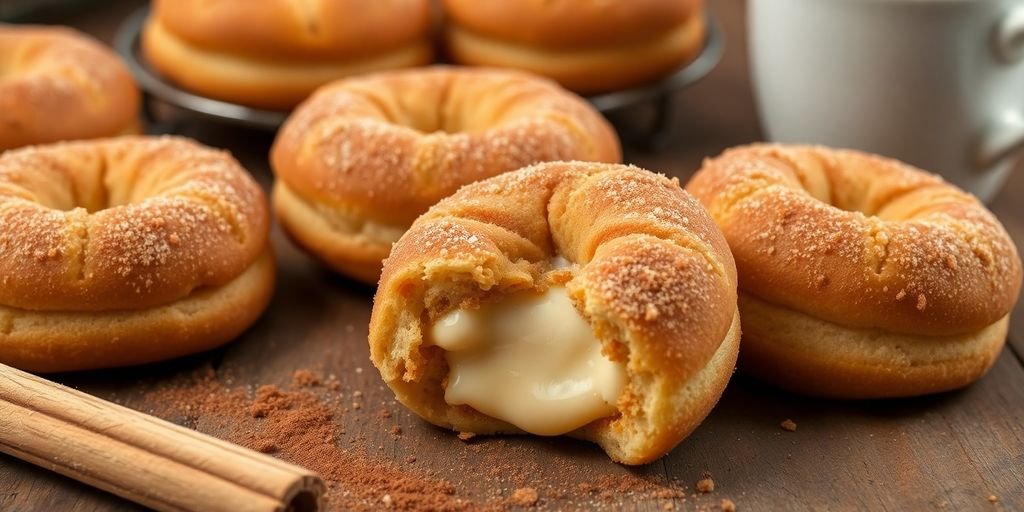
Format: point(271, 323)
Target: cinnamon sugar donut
point(125, 251)
point(59, 84)
point(860, 276)
point(587, 299)
point(588, 47)
point(275, 54)
point(363, 157)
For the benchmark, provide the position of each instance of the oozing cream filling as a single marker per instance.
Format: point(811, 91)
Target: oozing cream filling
point(530, 360)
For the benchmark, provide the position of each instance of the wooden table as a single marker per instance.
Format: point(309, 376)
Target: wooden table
point(950, 451)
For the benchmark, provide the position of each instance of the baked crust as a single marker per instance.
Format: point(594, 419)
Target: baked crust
point(864, 246)
point(60, 341)
point(801, 353)
point(297, 29)
point(59, 84)
point(588, 47)
point(651, 273)
point(571, 24)
point(370, 154)
point(276, 55)
point(127, 250)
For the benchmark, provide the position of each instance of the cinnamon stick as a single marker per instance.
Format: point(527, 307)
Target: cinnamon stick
point(142, 458)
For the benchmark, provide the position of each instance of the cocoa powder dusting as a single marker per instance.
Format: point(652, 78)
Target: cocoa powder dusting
point(299, 427)
point(303, 425)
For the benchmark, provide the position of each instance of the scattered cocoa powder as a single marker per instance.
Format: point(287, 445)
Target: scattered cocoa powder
point(303, 425)
point(299, 426)
point(268, 398)
point(608, 487)
point(788, 425)
point(304, 379)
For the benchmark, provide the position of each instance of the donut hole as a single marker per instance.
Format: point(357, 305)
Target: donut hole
point(469, 101)
point(58, 186)
point(853, 182)
point(449, 115)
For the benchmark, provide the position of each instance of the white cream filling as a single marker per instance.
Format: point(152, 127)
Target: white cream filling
point(530, 360)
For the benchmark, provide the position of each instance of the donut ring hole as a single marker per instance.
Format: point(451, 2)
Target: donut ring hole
point(124, 223)
point(93, 181)
point(853, 182)
point(449, 110)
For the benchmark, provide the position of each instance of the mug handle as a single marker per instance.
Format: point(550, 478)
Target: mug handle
point(1005, 135)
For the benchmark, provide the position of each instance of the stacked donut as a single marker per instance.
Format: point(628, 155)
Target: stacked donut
point(275, 56)
point(588, 47)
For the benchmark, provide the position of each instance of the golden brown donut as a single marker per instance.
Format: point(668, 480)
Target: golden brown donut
point(276, 54)
point(59, 84)
point(860, 276)
point(363, 157)
point(589, 47)
point(125, 251)
point(648, 270)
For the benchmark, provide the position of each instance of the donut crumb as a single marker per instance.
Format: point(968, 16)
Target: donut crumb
point(727, 505)
point(705, 484)
point(525, 496)
point(788, 425)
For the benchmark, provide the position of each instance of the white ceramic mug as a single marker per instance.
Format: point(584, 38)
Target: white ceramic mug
point(936, 83)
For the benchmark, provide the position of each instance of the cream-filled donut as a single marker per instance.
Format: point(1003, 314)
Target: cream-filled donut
point(586, 299)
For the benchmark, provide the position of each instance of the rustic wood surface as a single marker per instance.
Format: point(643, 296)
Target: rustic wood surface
point(945, 452)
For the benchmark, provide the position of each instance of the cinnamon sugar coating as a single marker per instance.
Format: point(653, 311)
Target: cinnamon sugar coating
point(124, 223)
point(363, 157)
point(126, 251)
point(860, 276)
point(860, 240)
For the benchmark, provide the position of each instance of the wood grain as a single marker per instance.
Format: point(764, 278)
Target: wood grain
point(946, 452)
